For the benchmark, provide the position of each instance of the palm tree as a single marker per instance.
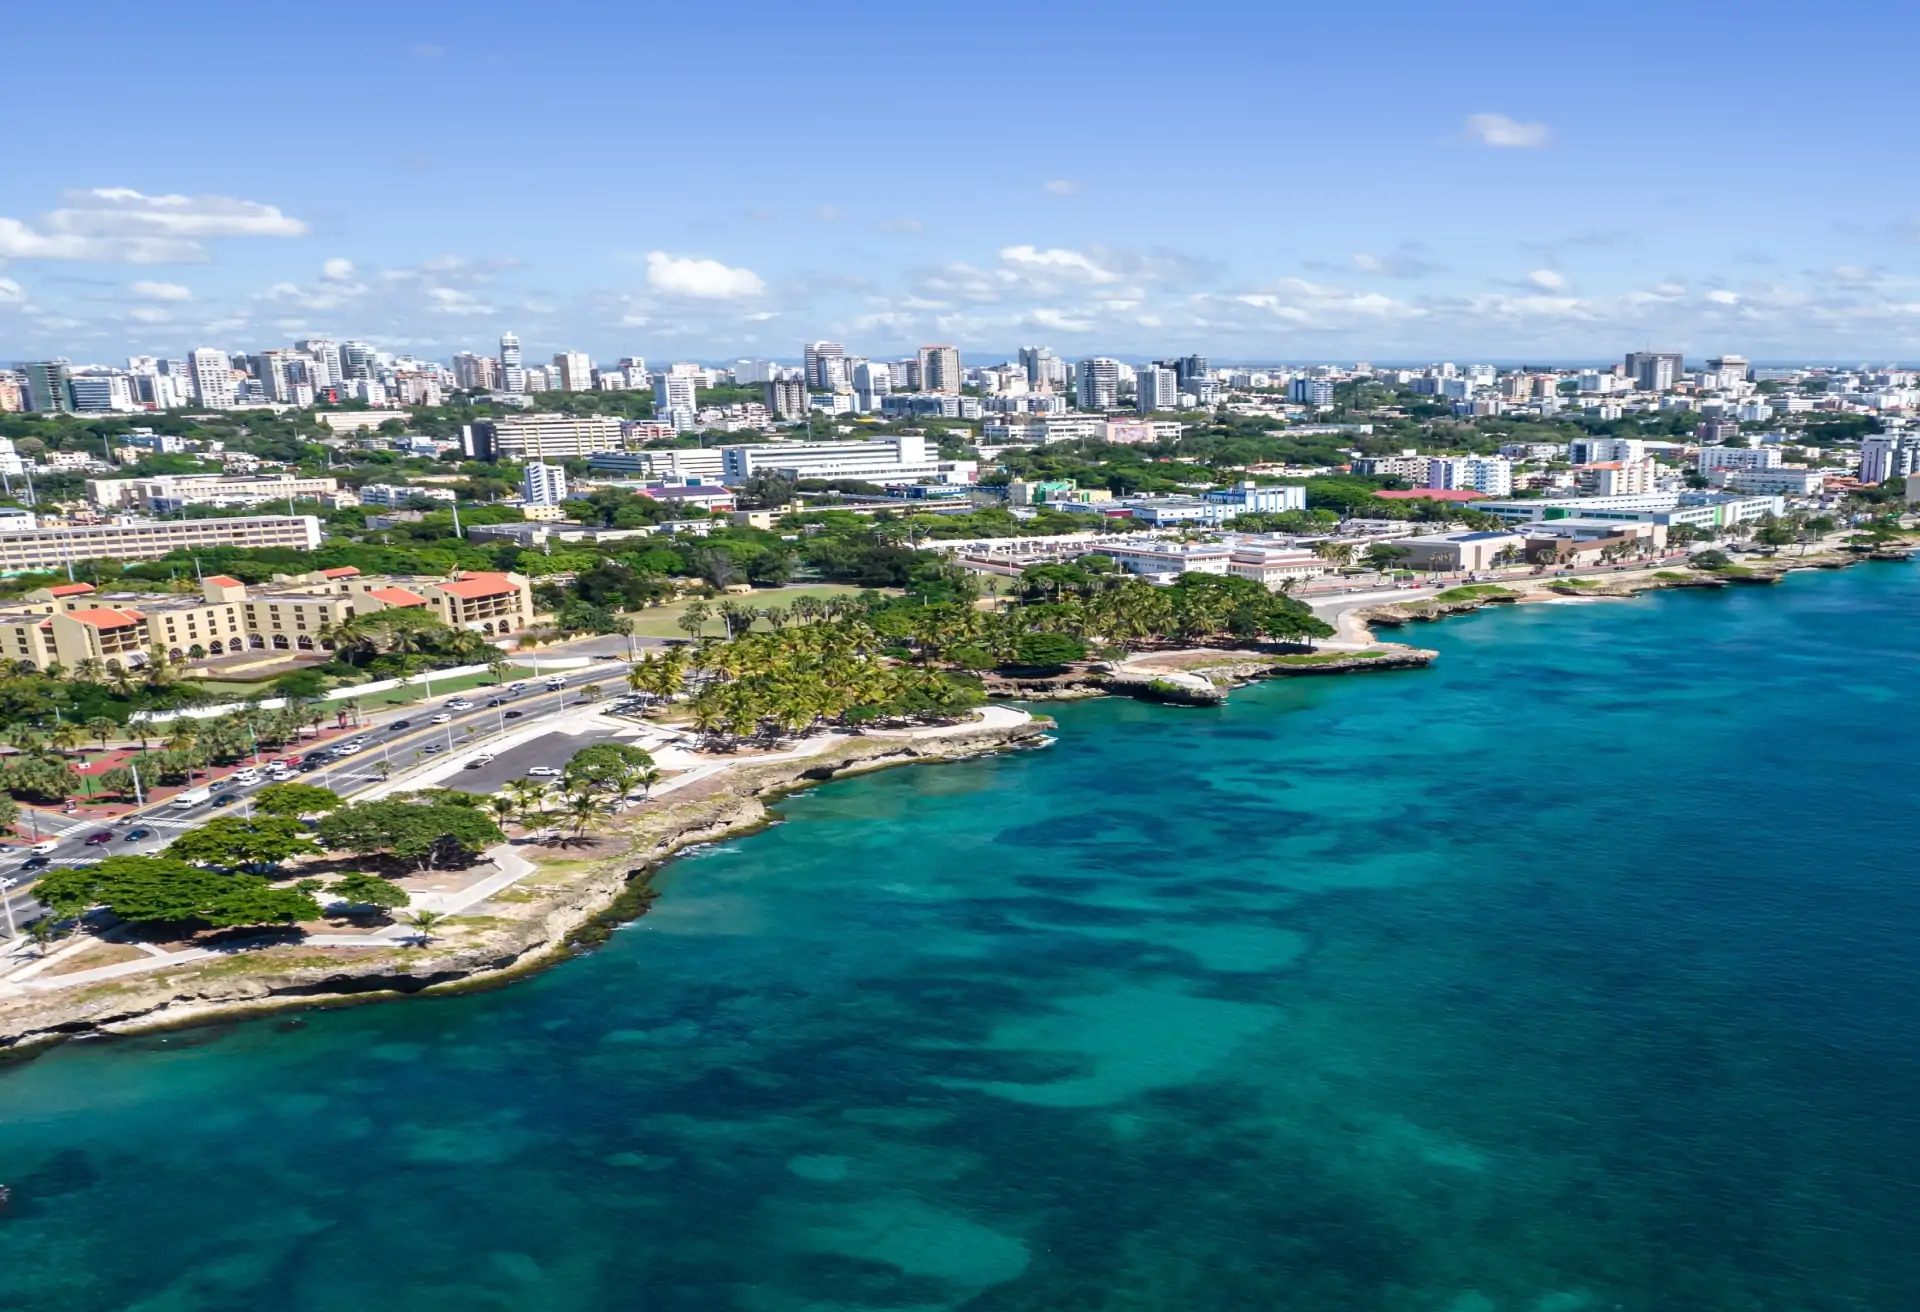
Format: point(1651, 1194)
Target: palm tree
point(582, 808)
point(89, 670)
point(529, 799)
point(65, 736)
point(101, 729)
point(502, 806)
point(423, 923)
point(693, 620)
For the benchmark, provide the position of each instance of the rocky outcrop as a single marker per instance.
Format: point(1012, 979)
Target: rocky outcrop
point(556, 916)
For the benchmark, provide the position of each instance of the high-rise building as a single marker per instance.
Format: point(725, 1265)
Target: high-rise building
point(476, 372)
point(513, 373)
point(1882, 458)
point(357, 360)
point(1155, 388)
point(543, 484)
point(1654, 371)
point(1097, 384)
point(213, 386)
point(327, 370)
point(101, 393)
point(46, 386)
point(1733, 369)
point(575, 370)
point(675, 399)
point(871, 381)
point(786, 398)
point(1190, 370)
point(818, 371)
point(1492, 475)
point(1318, 392)
point(940, 369)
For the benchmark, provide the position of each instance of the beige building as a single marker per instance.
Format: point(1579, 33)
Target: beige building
point(73, 622)
point(555, 436)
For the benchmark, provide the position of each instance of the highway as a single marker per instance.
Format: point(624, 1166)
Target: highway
point(400, 739)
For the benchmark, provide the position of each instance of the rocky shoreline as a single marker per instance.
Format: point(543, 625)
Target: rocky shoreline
point(542, 920)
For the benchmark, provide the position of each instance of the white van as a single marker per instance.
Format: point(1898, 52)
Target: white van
point(46, 846)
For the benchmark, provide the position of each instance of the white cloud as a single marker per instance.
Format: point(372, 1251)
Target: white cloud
point(903, 225)
point(1060, 187)
point(161, 291)
point(1548, 280)
point(337, 270)
point(149, 314)
point(119, 225)
point(1723, 298)
point(705, 279)
point(1055, 261)
point(1395, 264)
point(12, 293)
point(1499, 130)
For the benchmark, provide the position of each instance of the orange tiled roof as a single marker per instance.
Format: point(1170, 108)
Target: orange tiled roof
point(105, 618)
point(70, 589)
point(225, 581)
point(343, 572)
point(397, 596)
point(475, 586)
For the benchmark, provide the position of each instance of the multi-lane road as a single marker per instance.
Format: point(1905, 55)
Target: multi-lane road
point(399, 739)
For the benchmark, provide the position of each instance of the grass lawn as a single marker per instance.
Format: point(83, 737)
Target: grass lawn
point(1327, 657)
point(418, 692)
point(663, 621)
point(1473, 592)
point(230, 688)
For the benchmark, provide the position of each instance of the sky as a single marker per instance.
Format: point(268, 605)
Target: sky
point(1254, 182)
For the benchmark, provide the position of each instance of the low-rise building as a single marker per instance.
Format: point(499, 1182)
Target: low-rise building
point(1777, 481)
point(1456, 552)
point(394, 494)
point(42, 549)
point(1274, 565)
point(1247, 497)
point(168, 493)
point(1161, 559)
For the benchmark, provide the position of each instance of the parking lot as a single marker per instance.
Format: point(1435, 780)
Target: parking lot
point(554, 749)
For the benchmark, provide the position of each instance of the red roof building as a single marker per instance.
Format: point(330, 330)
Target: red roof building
point(1431, 494)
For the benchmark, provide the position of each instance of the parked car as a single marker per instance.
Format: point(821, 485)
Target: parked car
point(104, 836)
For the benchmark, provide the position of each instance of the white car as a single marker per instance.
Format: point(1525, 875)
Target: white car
point(350, 749)
point(246, 776)
point(546, 770)
point(441, 719)
point(462, 705)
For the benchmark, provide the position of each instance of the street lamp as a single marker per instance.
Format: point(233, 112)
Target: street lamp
point(6, 899)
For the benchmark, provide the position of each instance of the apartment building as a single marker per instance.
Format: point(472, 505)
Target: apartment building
point(887, 460)
point(546, 437)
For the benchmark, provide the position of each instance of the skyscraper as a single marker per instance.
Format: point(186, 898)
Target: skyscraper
point(1654, 371)
point(1190, 370)
point(818, 372)
point(212, 378)
point(327, 370)
point(46, 386)
point(1156, 388)
point(871, 381)
point(575, 369)
point(1097, 384)
point(940, 369)
point(786, 398)
point(513, 374)
point(1038, 362)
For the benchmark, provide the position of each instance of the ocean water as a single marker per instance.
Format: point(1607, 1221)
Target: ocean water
point(1577, 972)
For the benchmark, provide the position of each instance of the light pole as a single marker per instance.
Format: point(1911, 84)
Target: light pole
point(6, 897)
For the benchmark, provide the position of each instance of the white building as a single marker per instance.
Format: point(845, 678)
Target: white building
point(1882, 458)
point(1171, 558)
point(575, 369)
point(392, 494)
point(1601, 450)
point(871, 382)
point(888, 460)
point(1274, 565)
point(1736, 457)
point(1775, 481)
point(1156, 389)
point(1097, 384)
point(1492, 475)
point(543, 484)
point(212, 374)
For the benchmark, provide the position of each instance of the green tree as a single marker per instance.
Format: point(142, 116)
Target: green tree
point(419, 827)
point(296, 800)
point(606, 769)
point(244, 841)
point(160, 889)
point(360, 889)
point(1048, 650)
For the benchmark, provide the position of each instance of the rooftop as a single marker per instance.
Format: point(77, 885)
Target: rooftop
point(101, 618)
point(474, 586)
point(397, 596)
point(1431, 494)
point(70, 589)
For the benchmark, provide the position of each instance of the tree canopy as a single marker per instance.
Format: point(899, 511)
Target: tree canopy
point(162, 889)
point(427, 827)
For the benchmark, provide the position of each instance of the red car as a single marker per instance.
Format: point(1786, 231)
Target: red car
point(104, 836)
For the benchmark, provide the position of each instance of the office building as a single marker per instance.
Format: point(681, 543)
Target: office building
point(1249, 498)
point(101, 393)
point(675, 399)
point(513, 370)
point(43, 549)
point(675, 464)
point(1156, 388)
point(327, 370)
point(872, 383)
point(396, 495)
point(1599, 450)
point(1318, 392)
point(887, 460)
point(940, 369)
point(1097, 384)
point(574, 371)
point(543, 484)
point(46, 386)
point(212, 373)
point(1776, 481)
point(1654, 371)
point(168, 493)
point(819, 365)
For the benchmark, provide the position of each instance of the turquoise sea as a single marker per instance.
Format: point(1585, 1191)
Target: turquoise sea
point(1577, 972)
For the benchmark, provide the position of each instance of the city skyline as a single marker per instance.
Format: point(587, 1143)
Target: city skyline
point(1320, 193)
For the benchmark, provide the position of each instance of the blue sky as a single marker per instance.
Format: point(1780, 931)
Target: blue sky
point(1256, 182)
